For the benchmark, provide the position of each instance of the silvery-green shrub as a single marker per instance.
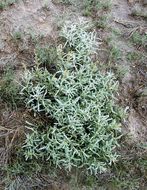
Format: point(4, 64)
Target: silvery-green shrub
point(79, 101)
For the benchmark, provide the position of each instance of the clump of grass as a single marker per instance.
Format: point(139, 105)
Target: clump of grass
point(91, 6)
point(5, 3)
point(138, 12)
point(130, 173)
point(139, 39)
point(115, 53)
point(33, 175)
point(129, 184)
point(17, 36)
point(134, 56)
point(2, 5)
point(79, 100)
point(34, 37)
point(104, 5)
point(64, 2)
point(116, 32)
point(88, 8)
point(9, 89)
point(102, 22)
point(47, 56)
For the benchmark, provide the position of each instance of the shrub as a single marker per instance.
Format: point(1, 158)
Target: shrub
point(79, 103)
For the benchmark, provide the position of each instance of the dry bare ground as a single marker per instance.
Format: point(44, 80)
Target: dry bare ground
point(134, 81)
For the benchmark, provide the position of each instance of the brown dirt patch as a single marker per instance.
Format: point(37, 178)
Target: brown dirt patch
point(134, 81)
